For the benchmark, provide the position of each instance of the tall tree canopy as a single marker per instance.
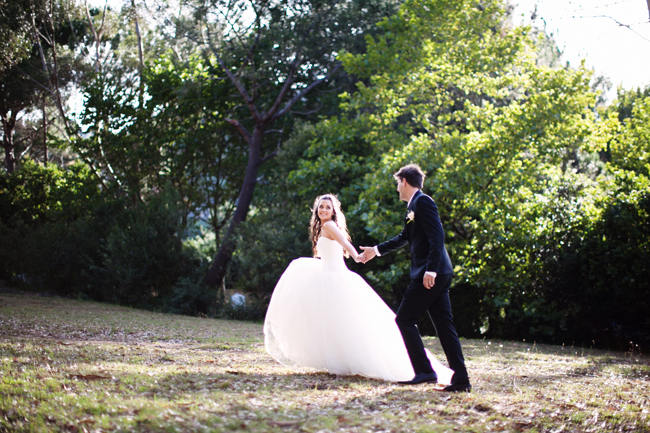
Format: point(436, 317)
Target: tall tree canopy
point(274, 55)
point(506, 142)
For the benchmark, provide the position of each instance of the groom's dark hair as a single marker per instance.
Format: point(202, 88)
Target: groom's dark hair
point(413, 175)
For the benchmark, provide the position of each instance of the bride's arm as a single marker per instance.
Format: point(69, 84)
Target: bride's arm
point(332, 231)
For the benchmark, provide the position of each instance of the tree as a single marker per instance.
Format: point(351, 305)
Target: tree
point(504, 139)
point(184, 119)
point(15, 32)
point(34, 67)
point(274, 62)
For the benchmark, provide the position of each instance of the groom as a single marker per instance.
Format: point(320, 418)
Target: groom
point(431, 274)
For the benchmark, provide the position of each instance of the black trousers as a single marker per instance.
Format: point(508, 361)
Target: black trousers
point(416, 301)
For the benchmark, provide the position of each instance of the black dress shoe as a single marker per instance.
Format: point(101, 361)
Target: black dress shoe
point(458, 387)
point(420, 378)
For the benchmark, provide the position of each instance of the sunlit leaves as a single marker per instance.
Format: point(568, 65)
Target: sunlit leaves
point(506, 141)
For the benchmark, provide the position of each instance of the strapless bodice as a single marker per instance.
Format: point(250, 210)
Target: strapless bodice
point(331, 253)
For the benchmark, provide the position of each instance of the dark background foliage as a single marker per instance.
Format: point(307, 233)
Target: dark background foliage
point(542, 188)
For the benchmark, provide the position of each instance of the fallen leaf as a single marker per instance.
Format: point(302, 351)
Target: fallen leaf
point(89, 376)
point(284, 423)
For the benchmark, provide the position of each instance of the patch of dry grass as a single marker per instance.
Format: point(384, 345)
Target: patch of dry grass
point(69, 365)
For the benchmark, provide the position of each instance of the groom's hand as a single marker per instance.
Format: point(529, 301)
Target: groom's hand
point(368, 254)
point(429, 280)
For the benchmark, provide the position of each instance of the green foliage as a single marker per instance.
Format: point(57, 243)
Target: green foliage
point(202, 157)
point(592, 290)
point(543, 197)
point(38, 57)
point(14, 33)
point(178, 138)
point(142, 254)
point(452, 88)
point(509, 145)
point(630, 149)
point(60, 233)
point(46, 229)
point(625, 101)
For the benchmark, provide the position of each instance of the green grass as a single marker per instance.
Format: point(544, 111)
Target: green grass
point(77, 366)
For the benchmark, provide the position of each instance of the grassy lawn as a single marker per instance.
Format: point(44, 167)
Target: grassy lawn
point(77, 366)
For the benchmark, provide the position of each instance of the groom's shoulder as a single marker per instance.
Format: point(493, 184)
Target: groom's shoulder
point(424, 203)
point(423, 198)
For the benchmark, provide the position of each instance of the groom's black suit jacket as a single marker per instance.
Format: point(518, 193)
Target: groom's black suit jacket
point(425, 236)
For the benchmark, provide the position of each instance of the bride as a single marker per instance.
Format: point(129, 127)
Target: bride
point(324, 316)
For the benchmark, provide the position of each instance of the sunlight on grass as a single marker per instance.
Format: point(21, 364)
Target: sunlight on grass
point(70, 365)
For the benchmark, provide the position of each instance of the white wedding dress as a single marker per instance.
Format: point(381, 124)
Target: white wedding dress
point(324, 316)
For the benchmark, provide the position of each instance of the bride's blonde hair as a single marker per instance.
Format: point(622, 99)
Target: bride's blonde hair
point(315, 224)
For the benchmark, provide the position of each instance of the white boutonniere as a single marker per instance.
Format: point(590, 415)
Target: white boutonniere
point(410, 217)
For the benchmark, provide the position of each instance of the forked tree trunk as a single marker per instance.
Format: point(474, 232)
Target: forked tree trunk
point(218, 268)
point(8, 125)
point(45, 156)
point(263, 121)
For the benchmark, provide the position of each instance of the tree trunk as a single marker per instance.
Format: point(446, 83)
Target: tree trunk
point(44, 131)
point(140, 55)
point(263, 121)
point(10, 157)
point(8, 124)
point(217, 270)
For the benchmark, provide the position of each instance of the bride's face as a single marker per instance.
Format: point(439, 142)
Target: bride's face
point(325, 210)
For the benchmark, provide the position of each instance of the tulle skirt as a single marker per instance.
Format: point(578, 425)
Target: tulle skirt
point(332, 320)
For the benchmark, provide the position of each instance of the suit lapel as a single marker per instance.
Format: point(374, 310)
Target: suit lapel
point(411, 205)
point(409, 209)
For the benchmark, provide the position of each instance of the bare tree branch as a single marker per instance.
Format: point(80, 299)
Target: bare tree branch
point(140, 55)
point(628, 26)
point(97, 34)
point(309, 112)
point(304, 91)
point(285, 87)
point(234, 30)
point(273, 154)
point(25, 152)
point(240, 87)
point(270, 155)
point(242, 130)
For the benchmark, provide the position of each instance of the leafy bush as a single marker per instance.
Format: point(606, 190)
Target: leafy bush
point(142, 254)
point(60, 233)
point(46, 226)
point(599, 289)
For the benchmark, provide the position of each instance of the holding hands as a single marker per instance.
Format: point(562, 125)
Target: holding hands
point(367, 254)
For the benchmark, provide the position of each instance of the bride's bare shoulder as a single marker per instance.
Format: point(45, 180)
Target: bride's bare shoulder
point(329, 229)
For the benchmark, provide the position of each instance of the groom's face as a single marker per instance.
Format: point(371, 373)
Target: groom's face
point(401, 189)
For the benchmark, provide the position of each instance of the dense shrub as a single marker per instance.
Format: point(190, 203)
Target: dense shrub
point(599, 289)
point(59, 233)
point(46, 226)
point(590, 288)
